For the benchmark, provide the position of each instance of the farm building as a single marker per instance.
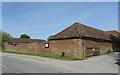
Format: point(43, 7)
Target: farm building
point(26, 45)
point(115, 37)
point(80, 40)
point(77, 40)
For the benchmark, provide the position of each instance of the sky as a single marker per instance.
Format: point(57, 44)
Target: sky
point(39, 20)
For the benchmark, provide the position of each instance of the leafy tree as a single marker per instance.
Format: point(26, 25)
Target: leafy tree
point(48, 39)
point(25, 36)
point(4, 37)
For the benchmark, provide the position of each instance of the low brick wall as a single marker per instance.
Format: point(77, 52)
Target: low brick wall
point(27, 47)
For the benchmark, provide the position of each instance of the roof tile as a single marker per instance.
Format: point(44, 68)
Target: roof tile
point(80, 30)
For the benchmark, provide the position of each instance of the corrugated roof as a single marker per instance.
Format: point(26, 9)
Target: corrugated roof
point(80, 30)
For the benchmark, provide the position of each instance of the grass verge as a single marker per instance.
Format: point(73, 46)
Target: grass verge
point(69, 58)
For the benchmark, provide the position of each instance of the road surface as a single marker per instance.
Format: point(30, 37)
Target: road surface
point(15, 63)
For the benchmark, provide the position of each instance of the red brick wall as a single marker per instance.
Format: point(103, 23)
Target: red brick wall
point(27, 47)
point(103, 46)
point(71, 47)
point(21, 46)
point(41, 48)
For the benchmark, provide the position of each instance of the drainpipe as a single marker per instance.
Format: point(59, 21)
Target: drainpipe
point(83, 47)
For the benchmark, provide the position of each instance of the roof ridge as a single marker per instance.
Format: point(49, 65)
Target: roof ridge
point(76, 26)
point(91, 27)
point(65, 29)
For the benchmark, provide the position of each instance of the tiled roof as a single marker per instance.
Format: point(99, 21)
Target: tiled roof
point(113, 32)
point(80, 30)
point(114, 35)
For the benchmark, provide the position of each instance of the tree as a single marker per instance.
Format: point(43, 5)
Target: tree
point(4, 36)
point(48, 39)
point(25, 36)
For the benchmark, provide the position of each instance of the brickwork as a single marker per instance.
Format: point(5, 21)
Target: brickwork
point(27, 47)
point(41, 48)
point(77, 40)
point(71, 47)
point(104, 47)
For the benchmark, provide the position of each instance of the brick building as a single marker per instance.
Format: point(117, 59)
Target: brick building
point(80, 40)
point(77, 40)
point(115, 37)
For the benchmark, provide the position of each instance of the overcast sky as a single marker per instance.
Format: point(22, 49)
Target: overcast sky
point(42, 19)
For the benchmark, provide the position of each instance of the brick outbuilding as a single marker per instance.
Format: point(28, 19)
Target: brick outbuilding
point(80, 40)
point(77, 40)
point(115, 37)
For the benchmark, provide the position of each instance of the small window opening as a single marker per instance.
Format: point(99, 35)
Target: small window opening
point(46, 45)
point(15, 44)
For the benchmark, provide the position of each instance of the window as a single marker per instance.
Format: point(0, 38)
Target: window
point(46, 45)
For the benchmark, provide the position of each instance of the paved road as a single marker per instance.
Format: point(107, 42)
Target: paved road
point(17, 65)
point(14, 63)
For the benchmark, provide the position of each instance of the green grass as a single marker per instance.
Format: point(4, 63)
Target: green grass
point(69, 58)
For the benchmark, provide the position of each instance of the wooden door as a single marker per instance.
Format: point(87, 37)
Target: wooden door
point(92, 52)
